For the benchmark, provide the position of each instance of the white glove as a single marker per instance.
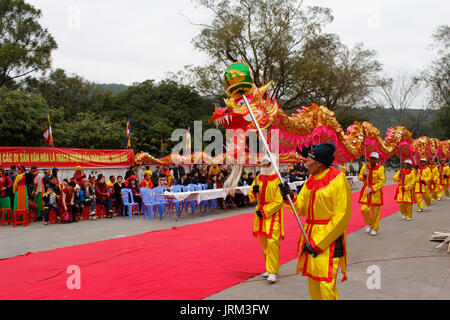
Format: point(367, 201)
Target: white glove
point(366, 172)
point(369, 191)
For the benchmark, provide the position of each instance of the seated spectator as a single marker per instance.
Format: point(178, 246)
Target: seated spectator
point(195, 177)
point(89, 197)
point(110, 187)
point(183, 180)
point(50, 202)
point(203, 178)
point(135, 191)
point(212, 182)
point(147, 182)
point(67, 200)
point(162, 180)
point(102, 196)
point(250, 179)
point(78, 201)
point(79, 175)
point(111, 181)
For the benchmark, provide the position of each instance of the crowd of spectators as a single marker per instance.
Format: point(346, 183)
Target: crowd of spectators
point(70, 197)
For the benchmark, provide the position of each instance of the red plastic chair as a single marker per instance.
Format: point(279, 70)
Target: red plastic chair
point(8, 213)
point(32, 208)
point(100, 210)
point(25, 217)
point(52, 216)
point(86, 214)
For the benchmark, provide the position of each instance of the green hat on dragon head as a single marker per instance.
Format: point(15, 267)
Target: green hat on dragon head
point(238, 79)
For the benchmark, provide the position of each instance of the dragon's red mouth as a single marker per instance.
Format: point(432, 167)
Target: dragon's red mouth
point(232, 120)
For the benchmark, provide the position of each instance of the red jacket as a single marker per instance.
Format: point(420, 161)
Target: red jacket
point(101, 191)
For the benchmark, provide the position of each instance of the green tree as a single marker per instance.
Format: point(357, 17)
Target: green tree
point(25, 46)
point(72, 92)
point(22, 119)
point(437, 77)
point(283, 42)
point(155, 110)
point(88, 130)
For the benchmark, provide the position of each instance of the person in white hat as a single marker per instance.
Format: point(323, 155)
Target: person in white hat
point(423, 178)
point(433, 186)
point(371, 195)
point(406, 179)
point(268, 219)
point(444, 173)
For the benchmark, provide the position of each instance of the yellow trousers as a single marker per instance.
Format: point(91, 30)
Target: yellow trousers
point(439, 191)
point(374, 220)
point(406, 209)
point(447, 193)
point(421, 197)
point(271, 249)
point(323, 290)
point(434, 195)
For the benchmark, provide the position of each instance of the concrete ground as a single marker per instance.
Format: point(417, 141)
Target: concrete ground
point(406, 278)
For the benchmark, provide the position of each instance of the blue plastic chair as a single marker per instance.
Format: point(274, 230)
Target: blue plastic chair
point(160, 201)
point(192, 203)
point(179, 205)
point(128, 202)
point(148, 203)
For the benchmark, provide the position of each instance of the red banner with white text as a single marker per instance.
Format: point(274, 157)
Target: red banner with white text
point(65, 157)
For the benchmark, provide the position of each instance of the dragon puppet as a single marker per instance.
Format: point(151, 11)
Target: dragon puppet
point(309, 126)
point(313, 124)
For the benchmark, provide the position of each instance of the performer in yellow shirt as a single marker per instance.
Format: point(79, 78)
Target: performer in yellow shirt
point(406, 179)
point(434, 180)
point(371, 195)
point(444, 173)
point(325, 200)
point(423, 178)
point(268, 220)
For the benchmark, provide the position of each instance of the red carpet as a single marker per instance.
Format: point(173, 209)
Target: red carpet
point(188, 263)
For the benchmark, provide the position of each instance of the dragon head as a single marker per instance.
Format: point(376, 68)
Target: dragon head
point(235, 115)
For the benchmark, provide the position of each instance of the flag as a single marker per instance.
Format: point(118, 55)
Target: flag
point(188, 141)
point(128, 141)
point(48, 136)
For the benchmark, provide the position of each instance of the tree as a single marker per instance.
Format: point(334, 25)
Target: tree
point(72, 92)
point(399, 94)
point(25, 46)
point(437, 77)
point(88, 130)
point(155, 110)
point(282, 42)
point(22, 119)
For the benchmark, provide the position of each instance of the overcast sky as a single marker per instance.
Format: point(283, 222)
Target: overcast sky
point(111, 41)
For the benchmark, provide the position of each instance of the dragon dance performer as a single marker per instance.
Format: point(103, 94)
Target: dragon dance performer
point(325, 200)
point(406, 179)
point(371, 195)
point(444, 173)
point(434, 180)
point(268, 220)
point(423, 178)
